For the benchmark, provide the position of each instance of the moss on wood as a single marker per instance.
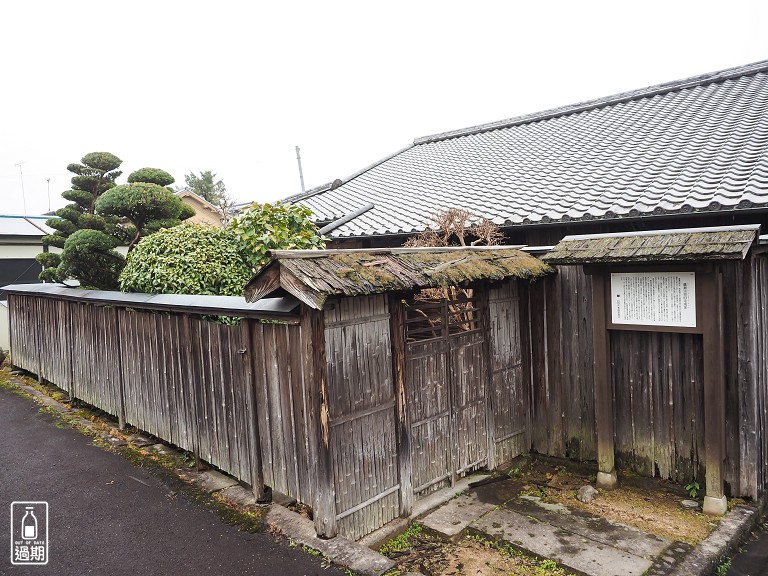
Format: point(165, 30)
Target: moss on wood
point(667, 247)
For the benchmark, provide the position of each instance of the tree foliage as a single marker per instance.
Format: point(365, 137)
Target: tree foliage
point(151, 176)
point(145, 203)
point(90, 256)
point(102, 216)
point(82, 252)
point(206, 186)
point(187, 259)
point(263, 227)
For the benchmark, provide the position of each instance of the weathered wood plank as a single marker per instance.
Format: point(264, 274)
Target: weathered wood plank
point(313, 350)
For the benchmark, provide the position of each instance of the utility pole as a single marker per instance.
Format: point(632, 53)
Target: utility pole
point(301, 174)
point(49, 193)
point(23, 195)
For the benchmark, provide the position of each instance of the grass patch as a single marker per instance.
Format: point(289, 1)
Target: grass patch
point(403, 541)
point(723, 567)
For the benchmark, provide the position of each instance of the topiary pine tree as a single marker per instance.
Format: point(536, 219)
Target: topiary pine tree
point(91, 179)
point(145, 203)
point(103, 216)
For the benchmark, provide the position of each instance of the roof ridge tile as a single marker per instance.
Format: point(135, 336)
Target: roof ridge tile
point(700, 80)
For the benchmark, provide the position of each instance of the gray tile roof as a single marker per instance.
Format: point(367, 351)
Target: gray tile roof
point(699, 144)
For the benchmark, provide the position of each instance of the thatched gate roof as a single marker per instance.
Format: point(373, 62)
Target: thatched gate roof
point(313, 276)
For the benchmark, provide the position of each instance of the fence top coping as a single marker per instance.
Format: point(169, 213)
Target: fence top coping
point(267, 308)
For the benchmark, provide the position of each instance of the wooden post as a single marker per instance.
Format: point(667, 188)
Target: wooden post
point(254, 436)
point(711, 288)
point(606, 471)
point(483, 303)
point(192, 378)
point(526, 352)
point(115, 327)
point(404, 464)
point(12, 311)
point(315, 370)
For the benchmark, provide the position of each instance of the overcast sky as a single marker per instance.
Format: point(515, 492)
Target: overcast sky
point(232, 87)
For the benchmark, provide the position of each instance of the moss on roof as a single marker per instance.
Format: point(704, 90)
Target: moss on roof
point(664, 246)
point(320, 274)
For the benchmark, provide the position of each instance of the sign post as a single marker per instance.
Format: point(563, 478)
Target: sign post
point(662, 300)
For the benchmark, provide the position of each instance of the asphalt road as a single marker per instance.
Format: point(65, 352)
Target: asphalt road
point(753, 558)
point(104, 522)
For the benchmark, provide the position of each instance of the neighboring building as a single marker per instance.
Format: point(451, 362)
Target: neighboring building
point(205, 212)
point(688, 153)
point(20, 241)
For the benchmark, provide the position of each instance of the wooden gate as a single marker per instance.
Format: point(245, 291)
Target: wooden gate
point(447, 389)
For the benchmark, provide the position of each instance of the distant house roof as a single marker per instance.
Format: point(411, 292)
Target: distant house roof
point(313, 276)
point(694, 145)
point(693, 244)
point(31, 226)
point(186, 193)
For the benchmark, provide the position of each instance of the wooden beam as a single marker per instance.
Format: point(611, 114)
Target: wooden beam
point(292, 254)
point(321, 464)
point(304, 293)
point(606, 472)
point(252, 413)
point(404, 464)
point(115, 327)
point(263, 283)
point(483, 303)
point(711, 304)
point(526, 352)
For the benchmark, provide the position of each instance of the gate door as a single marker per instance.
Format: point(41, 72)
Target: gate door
point(445, 369)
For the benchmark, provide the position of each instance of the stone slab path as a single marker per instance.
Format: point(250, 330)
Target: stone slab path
point(577, 540)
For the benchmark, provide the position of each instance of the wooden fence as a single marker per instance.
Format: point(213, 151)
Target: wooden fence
point(336, 408)
point(657, 381)
point(353, 411)
point(223, 392)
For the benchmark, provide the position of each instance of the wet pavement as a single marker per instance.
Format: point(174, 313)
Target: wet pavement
point(109, 517)
point(753, 558)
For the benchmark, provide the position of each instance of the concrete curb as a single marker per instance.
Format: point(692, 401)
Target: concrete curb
point(424, 505)
point(731, 531)
point(341, 551)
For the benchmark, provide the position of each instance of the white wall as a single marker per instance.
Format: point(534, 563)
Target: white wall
point(8, 251)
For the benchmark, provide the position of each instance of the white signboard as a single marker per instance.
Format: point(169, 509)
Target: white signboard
point(654, 299)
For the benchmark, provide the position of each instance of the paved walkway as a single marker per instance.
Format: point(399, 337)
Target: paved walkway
point(580, 541)
point(108, 517)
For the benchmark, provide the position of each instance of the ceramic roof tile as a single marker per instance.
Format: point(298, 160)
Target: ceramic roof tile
point(696, 144)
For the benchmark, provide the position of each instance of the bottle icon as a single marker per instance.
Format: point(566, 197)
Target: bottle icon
point(29, 524)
